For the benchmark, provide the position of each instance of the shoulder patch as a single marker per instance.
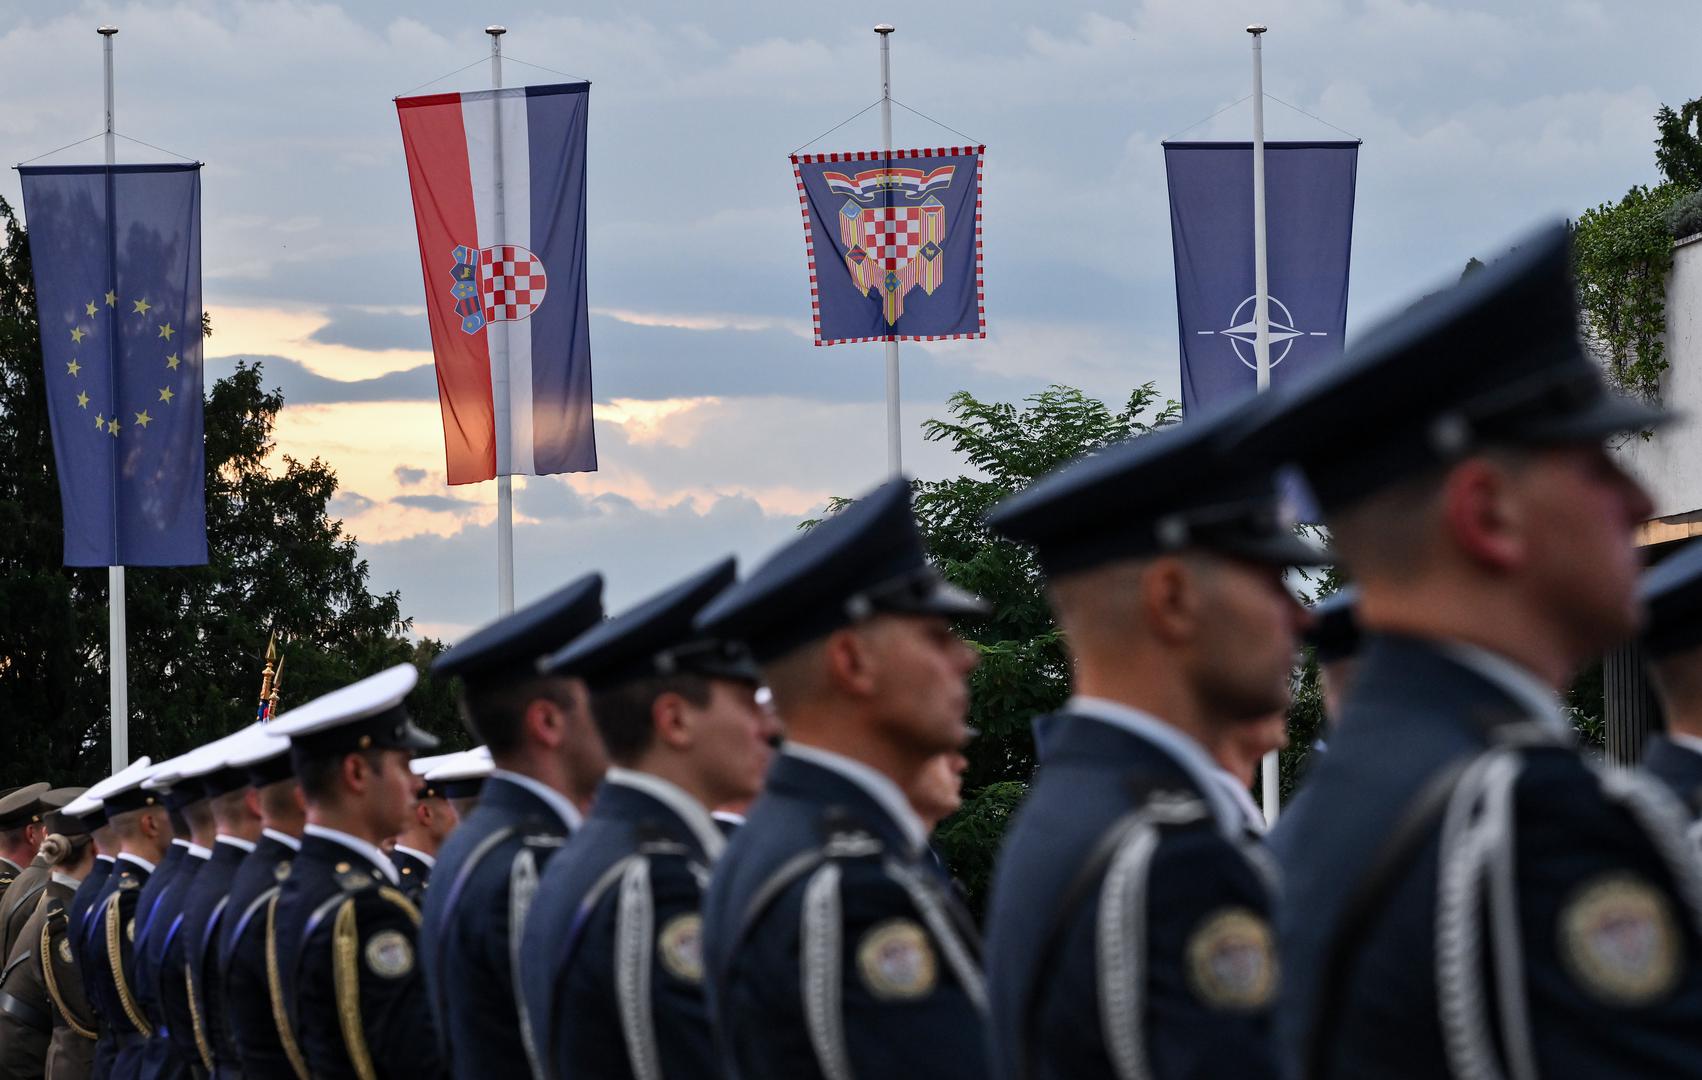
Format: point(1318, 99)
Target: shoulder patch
point(896, 960)
point(1620, 940)
point(128, 880)
point(680, 944)
point(389, 954)
point(1231, 960)
point(65, 950)
point(281, 871)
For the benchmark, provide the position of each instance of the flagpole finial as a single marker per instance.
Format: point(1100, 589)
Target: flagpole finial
point(494, 30)
point(884, 28)
point(1257, 28)
point(106, 30)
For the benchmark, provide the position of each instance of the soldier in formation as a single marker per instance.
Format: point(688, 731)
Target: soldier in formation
point(1457, 892)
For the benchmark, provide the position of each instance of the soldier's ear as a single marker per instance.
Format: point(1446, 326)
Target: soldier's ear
point(1171, 599)
point(1483, 515)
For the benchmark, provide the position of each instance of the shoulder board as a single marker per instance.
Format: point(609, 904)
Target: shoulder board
point(127, 880)
point(543, 840)
point(1169, 806)
point(351, 878)
point(843, 838)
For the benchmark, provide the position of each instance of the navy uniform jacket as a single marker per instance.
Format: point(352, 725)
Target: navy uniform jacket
point(170, 1053)
point(414, 871)
point(1679, 768)
point(1122, 893)
point(247, 1042)
point(82, 902)
point(821, 877)
point(1576, 874)
point(108, 941)
point(612, 963)
point(470, 941)
point(145, 1059)
point(189, 1011)
point(346, 943)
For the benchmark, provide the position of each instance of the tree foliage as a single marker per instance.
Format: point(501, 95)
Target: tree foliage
point(1622, 252)
point(1678, 144)
point(197, 635)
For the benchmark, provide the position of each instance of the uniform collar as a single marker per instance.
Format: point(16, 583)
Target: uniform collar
point(674, 797)
point(1514, 680)
point(549, 796)
point(1250, 811)
point(180, 842)
point(416, 853)
point(284, 838)
point(66, 880)
point(234, 841)
point(1187, 753)
point(108, 858)
point(873, 783)
point(196, 851)
point(1691, 743)
point(12, 864)
point(363, 848)
point(136, 860)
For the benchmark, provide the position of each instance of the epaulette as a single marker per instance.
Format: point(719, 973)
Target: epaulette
point(127, 880)
point(543, 841)
point(353, 879)
point(844, 838)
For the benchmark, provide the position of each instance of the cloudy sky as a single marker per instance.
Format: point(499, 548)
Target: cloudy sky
point(719, 426)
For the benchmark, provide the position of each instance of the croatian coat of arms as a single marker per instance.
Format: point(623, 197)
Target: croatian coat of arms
point(503, 283)
point(893, 227)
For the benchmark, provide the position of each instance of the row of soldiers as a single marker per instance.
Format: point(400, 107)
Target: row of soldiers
point(1455, 891)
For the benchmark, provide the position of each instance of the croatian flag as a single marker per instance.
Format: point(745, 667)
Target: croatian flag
point(498, 179)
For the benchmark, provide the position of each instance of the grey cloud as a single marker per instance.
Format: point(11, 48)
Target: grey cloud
point(408, 476)
point(374, 330)
point(301, 386)
point(444, 503)
point(348, 503)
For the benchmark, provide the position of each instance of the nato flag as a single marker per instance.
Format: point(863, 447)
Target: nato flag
point(1308, 236)
point(117, 258)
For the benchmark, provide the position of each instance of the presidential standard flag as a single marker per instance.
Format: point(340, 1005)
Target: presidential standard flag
point(504, 267)
point(894, 244)
point(1309, 232)
point(116, 252)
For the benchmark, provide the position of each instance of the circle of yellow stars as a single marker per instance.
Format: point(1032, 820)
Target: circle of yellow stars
point(166, 332)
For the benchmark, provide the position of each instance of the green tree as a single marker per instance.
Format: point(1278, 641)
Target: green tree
point(1678, 149)
point(197, 635)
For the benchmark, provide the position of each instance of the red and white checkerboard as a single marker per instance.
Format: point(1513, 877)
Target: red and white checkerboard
point(891, 234)
point(511, 282)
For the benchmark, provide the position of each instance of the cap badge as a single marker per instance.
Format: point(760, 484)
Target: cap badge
point(1232, 960)
point(1620, 941)
point(896, 961)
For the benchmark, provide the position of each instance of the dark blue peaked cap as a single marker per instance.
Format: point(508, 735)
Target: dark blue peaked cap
point(1176, 489)
point(1334, 633)
point(511, 648)
point(865, 560)
point(657, 638)
point(1493, 361)
point(1671, 592)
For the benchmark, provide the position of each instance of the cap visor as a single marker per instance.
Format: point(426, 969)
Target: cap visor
point(416, 740)
point(1609, 415)
point(949, 600)
point(1278, 550)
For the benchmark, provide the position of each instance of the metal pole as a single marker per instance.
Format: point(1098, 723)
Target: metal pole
point(498, 334)
point(118, 656)
point(894, 444)
point(1270, 780)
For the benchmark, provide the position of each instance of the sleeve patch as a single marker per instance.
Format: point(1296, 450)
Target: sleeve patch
point(1231, 960)
point(680, 945)
point(389, 954)
point(896, 961)
point(1620, 940)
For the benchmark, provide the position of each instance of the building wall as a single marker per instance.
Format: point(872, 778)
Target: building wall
point(1670, 462)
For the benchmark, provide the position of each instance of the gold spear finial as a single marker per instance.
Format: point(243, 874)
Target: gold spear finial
point(277, 685)
point(267, 675)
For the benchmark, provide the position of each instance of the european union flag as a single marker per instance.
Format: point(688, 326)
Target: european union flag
point(117, 257)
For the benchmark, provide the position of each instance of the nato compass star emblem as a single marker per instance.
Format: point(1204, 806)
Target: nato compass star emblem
point(1242, 331)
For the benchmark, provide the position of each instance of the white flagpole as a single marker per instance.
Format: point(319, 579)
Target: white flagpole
point(118, 653)
point(894, 444)
point(497, 332)
point(1270, 779)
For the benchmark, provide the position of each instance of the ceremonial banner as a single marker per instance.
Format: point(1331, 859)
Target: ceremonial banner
point(498, 179)
point(116, 252)
point(1309, 233)
point(894, 244)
